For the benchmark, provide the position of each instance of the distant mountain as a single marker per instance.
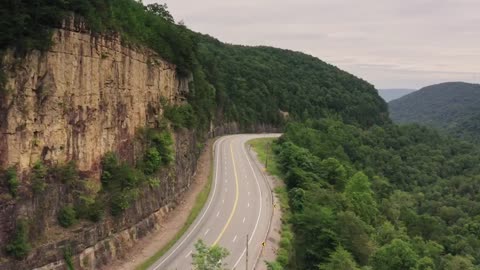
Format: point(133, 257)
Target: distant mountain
point(453, 107)
point(391, 94)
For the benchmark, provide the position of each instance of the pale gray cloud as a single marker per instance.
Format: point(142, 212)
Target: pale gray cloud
point(391, 43)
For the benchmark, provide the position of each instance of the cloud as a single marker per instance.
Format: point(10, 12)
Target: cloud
point(391, 43)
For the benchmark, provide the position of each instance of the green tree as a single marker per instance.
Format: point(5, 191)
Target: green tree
point(19, 246)
point(353, 234)
point(398, 255)
point(425, 263)
point(160, 10)
point(340, 259)
point(208, 258)
point(67, 216)
point(459, 263)
point(334, 172)
point(11, 180)
point(360, 196)
point(38, 177)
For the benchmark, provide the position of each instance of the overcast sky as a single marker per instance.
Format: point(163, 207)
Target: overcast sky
point(390, 43)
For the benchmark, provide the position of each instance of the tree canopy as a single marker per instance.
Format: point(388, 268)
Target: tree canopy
point(409, 198)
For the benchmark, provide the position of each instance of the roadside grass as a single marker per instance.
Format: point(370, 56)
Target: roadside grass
point(197, 208)
point(263, 148)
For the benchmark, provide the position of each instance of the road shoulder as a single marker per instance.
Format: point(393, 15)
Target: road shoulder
point(273, 238)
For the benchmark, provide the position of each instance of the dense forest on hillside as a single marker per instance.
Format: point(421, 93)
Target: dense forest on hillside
point(383, 197)
point(292, 82)
point(450, 107)
point(233, 81)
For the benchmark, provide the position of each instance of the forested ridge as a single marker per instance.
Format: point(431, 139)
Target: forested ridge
point(385, 197)
point(454, 108)
point(255, 83)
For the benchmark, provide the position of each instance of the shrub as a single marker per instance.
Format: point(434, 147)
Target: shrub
point(121, 201)
point(19, 246)
point(90, 208)
point(38, 177)
point(109, 164)
point(163, 142)
point(67, 172)
point(274, 266)
point(68, 257)
point(67, 216)
point(9, 176)
point(121, 182)
point(181, 116)
point(152, 161)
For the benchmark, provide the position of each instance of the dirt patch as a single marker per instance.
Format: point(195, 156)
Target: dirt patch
point(172, 222)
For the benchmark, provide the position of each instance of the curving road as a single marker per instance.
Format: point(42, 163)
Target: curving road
point(239, 203)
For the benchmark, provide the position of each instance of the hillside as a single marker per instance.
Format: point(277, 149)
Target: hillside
point(383, 198)
point(296, 83)
point(391, 94)
point(453, 107)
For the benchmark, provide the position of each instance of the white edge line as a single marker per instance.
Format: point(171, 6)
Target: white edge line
point(204, 213)
point(260, 212)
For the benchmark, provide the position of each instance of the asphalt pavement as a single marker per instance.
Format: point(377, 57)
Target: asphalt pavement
point(239, 204)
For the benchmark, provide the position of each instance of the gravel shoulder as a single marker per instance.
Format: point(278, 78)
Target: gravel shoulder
point(272, 242)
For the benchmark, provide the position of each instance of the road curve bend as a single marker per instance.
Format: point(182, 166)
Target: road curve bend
point(239, 204)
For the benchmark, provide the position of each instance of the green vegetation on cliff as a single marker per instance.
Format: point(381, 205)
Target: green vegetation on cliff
point(19, 246)
point(384, 197)
point(451, 107)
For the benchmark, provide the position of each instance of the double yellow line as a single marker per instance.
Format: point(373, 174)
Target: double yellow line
point(235, 202)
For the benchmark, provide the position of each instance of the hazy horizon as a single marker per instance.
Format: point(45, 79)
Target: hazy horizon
point(408, 44)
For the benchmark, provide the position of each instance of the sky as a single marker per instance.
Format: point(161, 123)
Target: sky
point(390, 43)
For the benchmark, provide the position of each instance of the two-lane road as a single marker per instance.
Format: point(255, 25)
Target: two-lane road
point(239, 204)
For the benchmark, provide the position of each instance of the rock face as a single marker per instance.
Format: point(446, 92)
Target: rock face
point(85, 96)
point(82, 98)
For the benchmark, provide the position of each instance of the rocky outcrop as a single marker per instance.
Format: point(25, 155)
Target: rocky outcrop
point(85, 96)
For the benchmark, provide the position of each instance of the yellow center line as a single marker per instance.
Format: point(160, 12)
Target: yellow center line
point(236, 199)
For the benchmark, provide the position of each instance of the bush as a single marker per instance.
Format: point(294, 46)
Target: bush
point(19, 246)
point(159, 153)
point(121, 201)
point(67, 173)
point(67, 216)
point(181, 116)
point(121, 182)
point(38, 177)
point(152, 161)
point(9, 177)
point(163, 142)
point(274, 266)
point(68, 257)
point(90, 208)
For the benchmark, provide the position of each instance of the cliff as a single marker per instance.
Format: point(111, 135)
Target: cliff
point(86, 96)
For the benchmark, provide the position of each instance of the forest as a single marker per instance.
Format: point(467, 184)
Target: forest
point(453, 108)
point(384, 197)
